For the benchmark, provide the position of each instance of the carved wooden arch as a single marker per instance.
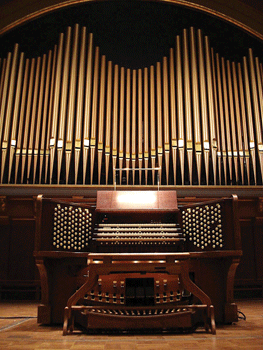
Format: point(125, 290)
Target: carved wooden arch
point(238, 19)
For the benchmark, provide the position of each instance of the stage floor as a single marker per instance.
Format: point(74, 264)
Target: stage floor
point(19, 330)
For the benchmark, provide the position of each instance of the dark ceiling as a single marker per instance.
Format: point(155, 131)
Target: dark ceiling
point(130, 33)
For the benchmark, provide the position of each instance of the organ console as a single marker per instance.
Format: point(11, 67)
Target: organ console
point(137, 259)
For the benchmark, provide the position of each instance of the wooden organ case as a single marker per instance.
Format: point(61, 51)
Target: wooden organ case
point(139, 259)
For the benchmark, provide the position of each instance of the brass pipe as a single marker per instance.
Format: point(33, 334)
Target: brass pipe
point(152, 119)
point(63, 104)
point(121, 128)
point(146, 124)
point(240, 149)
point(166, 118)
point(188, 106)
point(101, 114)
point(39, 115)
point(249, 117)
point(45, 115)
point(211, 106)
point(80, 101)
point(256, 108)
point(128, 122)
point(21, 119)
point(9, 110)
point(180, 106)
point(28, 117)
point(33, 117)
point(227, 121)
point(217, 129)
point(94, 113)
point(260, 90)
point(245, 138)
point(16, 114)
point(140, 125)
point(87, 107)
point(196, 105)
point(55, 111)
point(173, 113)
point(134, 112)
point(50, 113)
point(204, 113)
point(232, 120)
point(159, 118)
point(108, 120)
point(5, 94)
point(72, 101)
point(222, 131)
point(115, 117)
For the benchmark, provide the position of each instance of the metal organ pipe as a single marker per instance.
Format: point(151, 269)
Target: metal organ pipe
point(72, 100)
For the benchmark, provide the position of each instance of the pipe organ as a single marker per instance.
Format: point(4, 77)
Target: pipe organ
point(72, 116)
point(72, 121)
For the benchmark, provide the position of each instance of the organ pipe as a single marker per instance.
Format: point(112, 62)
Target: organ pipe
point(180, 108)
point(115, 117)
point(152, 121)
point(21, 119)
point(216, 145)
point(101, 114)
point(166, 118)
point(72, 100)
point(227, 122)
point(244, 122)
point(32, 130)
point(50, 112)
point(256, 109)
point(87, 107)
point(63, 103)
point(188, 106)
point(211, 106)
point(9, 107)
point(173, 116)
point(133, 140)
point(15, 115)
point(80, 96)
point(196, 105)
point(108, 120)
point(140, 125)
point(40, 109)
point(121, 128)
point(249, 118)
point(45, 121)
point(240, 150)
point(232, 120)
point(204, 112)
point(94, 113)
point(55, 111)
point(146, 124)
point(222, 129)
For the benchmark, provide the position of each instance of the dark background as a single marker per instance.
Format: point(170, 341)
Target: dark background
point(132, 34)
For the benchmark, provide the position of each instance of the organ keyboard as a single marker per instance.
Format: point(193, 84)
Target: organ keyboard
point(137, 254)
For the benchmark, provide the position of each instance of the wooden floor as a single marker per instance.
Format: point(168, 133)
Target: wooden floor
point(19, 330)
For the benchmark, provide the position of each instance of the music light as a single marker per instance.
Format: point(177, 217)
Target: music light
point(137, 197)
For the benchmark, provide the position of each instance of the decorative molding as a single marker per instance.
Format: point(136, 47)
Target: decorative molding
point(188, 4)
